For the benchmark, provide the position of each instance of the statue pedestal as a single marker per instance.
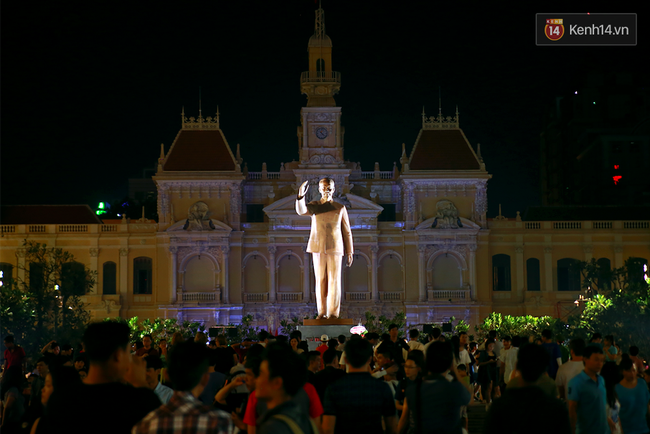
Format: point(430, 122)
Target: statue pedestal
point(313, 329)
point(333, 321)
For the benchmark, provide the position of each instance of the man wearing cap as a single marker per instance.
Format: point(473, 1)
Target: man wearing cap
point(324, 339)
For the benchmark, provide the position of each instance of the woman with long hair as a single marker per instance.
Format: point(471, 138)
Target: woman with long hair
point(612, 377)
point(65, 380)
point(488, 373)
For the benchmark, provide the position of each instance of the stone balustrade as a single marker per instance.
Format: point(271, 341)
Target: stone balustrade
point(256, 298)
point(357, 296)
point(449, 294)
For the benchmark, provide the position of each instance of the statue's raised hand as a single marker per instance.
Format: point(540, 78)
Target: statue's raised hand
point(303, 189)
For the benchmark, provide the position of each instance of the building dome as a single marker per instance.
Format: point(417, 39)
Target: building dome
point(320, 41)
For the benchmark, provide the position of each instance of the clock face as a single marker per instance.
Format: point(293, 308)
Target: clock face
point(321, 132)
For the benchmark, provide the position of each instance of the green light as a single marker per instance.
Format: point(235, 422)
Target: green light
point(101, 205)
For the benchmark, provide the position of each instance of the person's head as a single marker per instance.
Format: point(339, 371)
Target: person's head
point(263, 336)
point(507, 342)
point(43, 366)
point(547, 335)
point(66, 350)
point(296, 334)
point(634, 351)
point(200, 338)
point(414, 334)
point(222, 341)
point(576, 347)
point(472, 346)
point(596, 338)
point(332, 343)
point(294, 343)
point(385, 337)
point(435, 334)
point(55, 349)
point(489, 345)
point(538, 341)
point(439, 357)
point(252, 369)
point(384, 355)
point(627, 369)
point(61, 378)
point(154, 366)
point(463, 338)
point(392, 331)
point(147, 341)
point(358, 352)
point(462, 370)
point(138, 345)
point(187, 365)
point(282, 373)
point(162, 344)
point(532, 362)
point(9, 341)
point(609, 340)
point(313, 360)
point(326, 188)
point(212, 344)
point(107, 348)
point(221, 359)
point(177, 338)
point(593, 358)
point(372, 337)
point(331, 358)
point(414, 364)
point(341, 339)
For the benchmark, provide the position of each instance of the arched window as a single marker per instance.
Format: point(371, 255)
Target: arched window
point(532, 274)
point(501, 272)
point(256, 275)
point(636, 270)
point(199, 275)
point(446, 273)
point(73, 278)
point(142, 275)
point(604, 273)
point(389, 275)
point(289, 275)
point(320, 66)
point(36, 277)
point(109, 278)
point(6, 272)
point(355, 278)
point(568, 275)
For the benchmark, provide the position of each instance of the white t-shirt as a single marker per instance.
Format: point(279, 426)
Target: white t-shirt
point(566, 372)
point(509, 359)
point(464, 359)
point(415, 345)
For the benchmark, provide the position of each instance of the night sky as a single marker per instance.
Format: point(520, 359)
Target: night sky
point(90, 90)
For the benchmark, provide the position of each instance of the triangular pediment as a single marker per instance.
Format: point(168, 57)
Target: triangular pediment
point(427, 226)
point(362, 212)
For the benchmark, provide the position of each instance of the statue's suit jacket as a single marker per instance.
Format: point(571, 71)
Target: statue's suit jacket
point(330, 227)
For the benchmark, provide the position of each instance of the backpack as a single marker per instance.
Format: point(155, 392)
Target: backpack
point(293, 426)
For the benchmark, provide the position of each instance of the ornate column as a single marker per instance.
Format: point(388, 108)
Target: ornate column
point(94, 253)
point(548, 268)
point(519, 263)
point(373, 282)
point(225, 295)
point(422, 281)
point(20, 253)
point(588, 249)
point(173, 273)
point(472, 270)
point(305, 274)
point(124, 272)
point(272, 250)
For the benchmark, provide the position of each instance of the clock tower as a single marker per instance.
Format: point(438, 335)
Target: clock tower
point(320, 135)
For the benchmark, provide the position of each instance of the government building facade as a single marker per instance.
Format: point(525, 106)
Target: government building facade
point(228, 241)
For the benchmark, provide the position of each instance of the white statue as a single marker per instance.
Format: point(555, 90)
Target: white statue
point(329, 240)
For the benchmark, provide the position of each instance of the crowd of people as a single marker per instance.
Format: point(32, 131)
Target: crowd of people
point(359, 384)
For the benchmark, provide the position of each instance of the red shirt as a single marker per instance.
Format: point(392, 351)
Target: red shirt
point(150, 352)
point(15, 357)
point(315, 406)
point(321, 349)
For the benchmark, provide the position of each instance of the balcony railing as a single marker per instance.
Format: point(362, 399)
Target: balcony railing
point(385, 174)
point(109, 228)
point(37, 228)
point(391, 296)
point(320, 77)
point(636, 225)
point(256, 298)
point(449, 294)
point(199, 297)
point(73, 228)
point(357, 296)
point(7, 229)
point(256, 176)
point(291, 297)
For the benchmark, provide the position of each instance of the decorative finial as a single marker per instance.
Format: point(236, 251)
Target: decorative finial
point(319, 28)
point(478, 153)
point(439, 103)
point(500, 217)
point(200, 102)
point(238, 155)
point(218, 116)
point(162, 151)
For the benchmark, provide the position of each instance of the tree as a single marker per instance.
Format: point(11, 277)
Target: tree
point(523, 325)
point(615, 302)
point(48, 301)
point(380, 325)
point(159, 328)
